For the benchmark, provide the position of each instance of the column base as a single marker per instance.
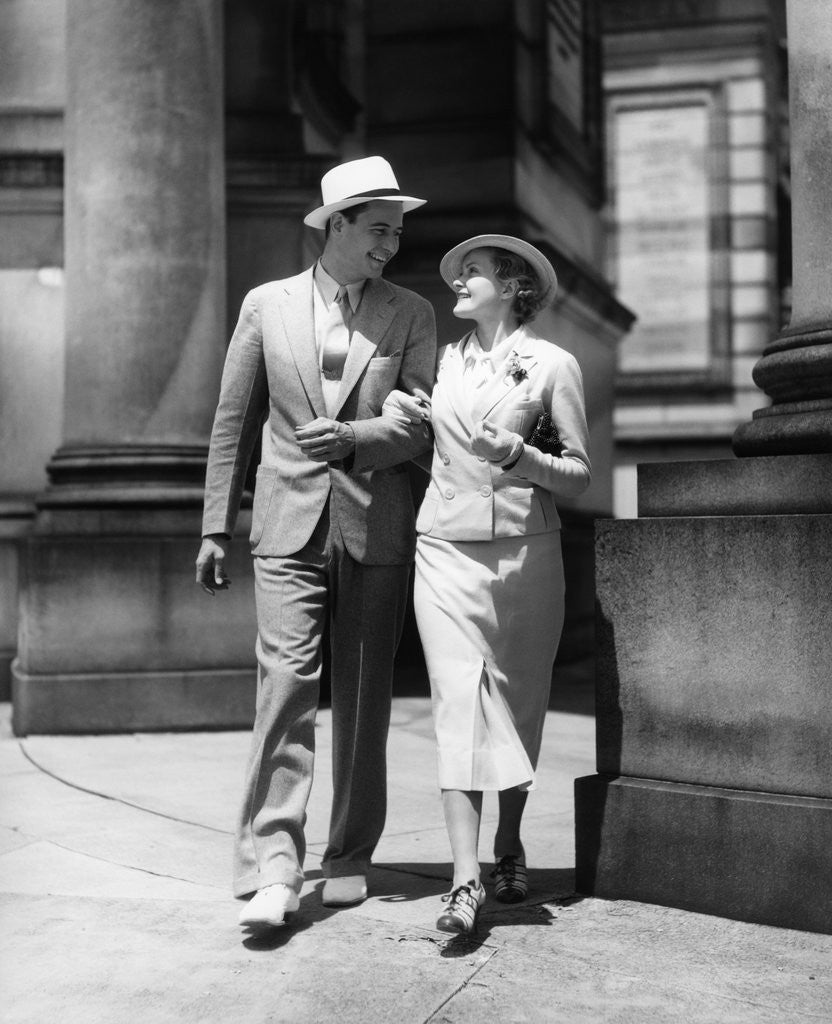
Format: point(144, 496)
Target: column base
point(756, 857)
point(132, 701)
point(115, 634)
point(795, 371)
point(800, 428)
point(17, 513)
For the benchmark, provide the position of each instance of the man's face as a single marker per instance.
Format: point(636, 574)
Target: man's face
point(362, 249)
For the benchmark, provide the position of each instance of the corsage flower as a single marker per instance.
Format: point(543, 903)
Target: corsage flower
point(515, 370)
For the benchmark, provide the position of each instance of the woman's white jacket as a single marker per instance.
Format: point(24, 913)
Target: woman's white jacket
point(469, 498)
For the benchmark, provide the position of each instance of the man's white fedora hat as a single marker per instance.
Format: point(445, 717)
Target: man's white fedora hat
point(358, 181)
point(451, 264)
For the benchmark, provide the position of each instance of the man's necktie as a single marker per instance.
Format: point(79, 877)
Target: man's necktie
point(336, 338)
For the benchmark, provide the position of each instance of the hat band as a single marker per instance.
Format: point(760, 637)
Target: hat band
point(370, 192)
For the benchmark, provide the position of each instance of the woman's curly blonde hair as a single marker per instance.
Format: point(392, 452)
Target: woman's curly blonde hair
point(508, 266)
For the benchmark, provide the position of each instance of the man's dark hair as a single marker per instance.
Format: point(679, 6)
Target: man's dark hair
point(350, 213)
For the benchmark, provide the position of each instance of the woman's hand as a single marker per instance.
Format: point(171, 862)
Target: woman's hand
point(407, 408)
point(494, 443)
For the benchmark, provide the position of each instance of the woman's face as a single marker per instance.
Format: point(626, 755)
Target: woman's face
point(478, 289)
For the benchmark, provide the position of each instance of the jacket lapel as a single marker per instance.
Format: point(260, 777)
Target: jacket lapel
point(454, 385)
point(368, 327)
point(503, 385)
point(299, 322)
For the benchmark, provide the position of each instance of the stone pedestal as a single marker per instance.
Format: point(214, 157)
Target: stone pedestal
point(714, 784)
point(749, 856)
point(115, 636)
point(114, 633)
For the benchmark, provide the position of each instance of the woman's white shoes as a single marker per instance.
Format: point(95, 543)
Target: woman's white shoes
point(269, 906)
point(344, 891)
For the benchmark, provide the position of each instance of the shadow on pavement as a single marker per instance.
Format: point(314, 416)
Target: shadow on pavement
point(401, 882)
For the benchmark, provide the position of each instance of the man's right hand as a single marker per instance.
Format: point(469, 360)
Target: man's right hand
point(210, 574)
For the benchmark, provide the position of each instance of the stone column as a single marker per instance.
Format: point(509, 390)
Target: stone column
point(114, 634)
point(145, 249)
point(795, 370)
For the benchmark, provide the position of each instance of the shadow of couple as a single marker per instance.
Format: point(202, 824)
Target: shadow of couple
point(409, 882)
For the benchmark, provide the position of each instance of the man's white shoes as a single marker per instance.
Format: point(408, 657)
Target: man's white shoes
point(344, 891)
point(269, 906)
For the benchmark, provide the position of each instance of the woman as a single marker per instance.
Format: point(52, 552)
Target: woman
point(489, 588)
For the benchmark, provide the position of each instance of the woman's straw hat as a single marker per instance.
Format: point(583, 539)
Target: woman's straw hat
point(451, 265)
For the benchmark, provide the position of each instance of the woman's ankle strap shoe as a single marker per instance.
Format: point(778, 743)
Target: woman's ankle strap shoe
point(463, 908)
point(512, 882)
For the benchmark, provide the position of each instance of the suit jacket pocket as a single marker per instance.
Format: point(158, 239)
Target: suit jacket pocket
point(380, 361)
point(263, 491)
point(380, 377)
point(522, 417)
point(384, 365)
point(427, 514)
point(520, 510)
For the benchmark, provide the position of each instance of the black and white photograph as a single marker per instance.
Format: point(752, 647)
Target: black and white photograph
point(416, 511)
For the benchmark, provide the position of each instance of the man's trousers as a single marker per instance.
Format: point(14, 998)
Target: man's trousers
point(365, 606)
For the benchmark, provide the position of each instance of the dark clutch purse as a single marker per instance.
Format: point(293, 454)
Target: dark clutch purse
point(545, 436)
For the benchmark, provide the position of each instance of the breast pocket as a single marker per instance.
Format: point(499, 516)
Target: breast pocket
point(384, 362)
point(524, 416)
point(383, 368)
point(380, 378)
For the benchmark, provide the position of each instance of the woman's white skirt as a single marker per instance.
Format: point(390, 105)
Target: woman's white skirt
point(490, 615)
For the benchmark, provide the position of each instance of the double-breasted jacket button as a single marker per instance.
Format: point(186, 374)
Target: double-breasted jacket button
point(449, 493)
point(485, 491)
point(446, 458)
point(481, 458)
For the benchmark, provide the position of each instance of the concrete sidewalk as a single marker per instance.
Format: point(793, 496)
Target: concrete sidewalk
point(114, 868)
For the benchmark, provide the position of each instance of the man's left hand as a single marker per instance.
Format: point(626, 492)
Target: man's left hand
point(325, 440)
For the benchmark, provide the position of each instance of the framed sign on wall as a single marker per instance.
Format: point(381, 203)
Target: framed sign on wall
point(666, 255)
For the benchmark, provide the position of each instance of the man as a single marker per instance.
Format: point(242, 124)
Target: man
point(311, 361)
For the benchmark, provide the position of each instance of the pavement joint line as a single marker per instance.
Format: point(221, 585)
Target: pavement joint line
point(460, 987)
point(117, 863)
point(117, 799)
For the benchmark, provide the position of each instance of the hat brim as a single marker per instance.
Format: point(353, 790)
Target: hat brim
point(451, 263)
point(318, 218)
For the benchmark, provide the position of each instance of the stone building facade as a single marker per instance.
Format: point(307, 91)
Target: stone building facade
point(697, 213)
point(156, 161)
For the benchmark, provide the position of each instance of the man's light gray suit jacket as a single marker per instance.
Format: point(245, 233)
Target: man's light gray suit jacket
point(272, 382)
